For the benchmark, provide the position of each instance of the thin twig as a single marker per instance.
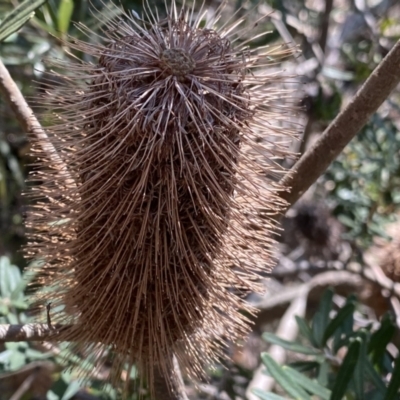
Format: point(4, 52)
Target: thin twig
point(370, 272)
point(344, 127)
point(163, 389)
point(288, 330)
point(25, 386)
point(272, 307)
point(29, 122)
point(29, 332)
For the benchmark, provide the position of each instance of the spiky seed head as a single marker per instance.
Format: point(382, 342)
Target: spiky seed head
point(158, 212)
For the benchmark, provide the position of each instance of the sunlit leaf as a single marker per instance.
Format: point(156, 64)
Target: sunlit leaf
point(64, 14)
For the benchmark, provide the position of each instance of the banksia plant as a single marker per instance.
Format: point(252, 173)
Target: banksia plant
point(151, 220)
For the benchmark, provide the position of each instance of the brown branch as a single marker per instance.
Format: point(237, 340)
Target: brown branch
point(344, 127)
point(22, 111)
point(273, 307)
point(29, 332)
point(28, 121)
point(166, 389)
point(25, 386)
point(371, 273)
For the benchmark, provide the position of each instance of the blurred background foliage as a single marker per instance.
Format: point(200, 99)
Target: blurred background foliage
point(345, 221)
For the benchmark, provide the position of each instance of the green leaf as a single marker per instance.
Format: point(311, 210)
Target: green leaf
point(321, 318)
point(4, 310)
point(14, 278)
point(18, 292)
point(18, 17)
point(358, 377)
point(4, 287)
point(336, 322)
point(64, 15)
point(17, 360)
point(34, 355)
point(304, 329)
point(277, 372)
point(346, 370)
point(308, 384)
point(394, 384)
point(323, 373)
point(380, 339)
point(267, 396)
point(303, 366)
point(292, 346)
point(345, 331)
point(373, 395)
point(10, 277)
point(52, 396)
point(12, 319)
point(20, 304)
point(375, 377)
point(71, 391)
point(5, 356)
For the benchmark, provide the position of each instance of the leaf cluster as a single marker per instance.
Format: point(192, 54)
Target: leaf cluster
point(17, 356)
point(364, 181)
point(341, 362)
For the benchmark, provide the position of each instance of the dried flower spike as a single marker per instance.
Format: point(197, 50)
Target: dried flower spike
point(151, 229)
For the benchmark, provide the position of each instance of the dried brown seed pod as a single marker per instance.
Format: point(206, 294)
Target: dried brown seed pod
point(163, 201)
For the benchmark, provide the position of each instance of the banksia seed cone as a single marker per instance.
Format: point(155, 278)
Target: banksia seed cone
point(151, 222)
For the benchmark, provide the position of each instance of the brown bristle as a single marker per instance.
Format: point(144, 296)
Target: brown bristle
point(160, 203)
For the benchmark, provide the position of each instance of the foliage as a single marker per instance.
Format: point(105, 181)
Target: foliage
point(15, 19)
point(342, 361)
point(363, 186)
point(14, 356)
point(365, 180)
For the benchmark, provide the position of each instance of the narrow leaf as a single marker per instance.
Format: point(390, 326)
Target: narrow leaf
point(292, 346)
point(307, 383)
point(358, 376)
point(346, 370)
point(323, 373)
point(283, 378)
point(18, 17)
point(8, 31)
point(380, 339)
point(72, 390)
point(4, 264)
point(336, 322)
point(321, 318)
point(394, 384)
point(266, 395)
point(304, 366)
point(305, 329)
point(64, 15)
point(375, 377)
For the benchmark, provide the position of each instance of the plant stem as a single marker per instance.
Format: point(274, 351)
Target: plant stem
point(165, 389)
point(343, 128)
point(29, 122)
